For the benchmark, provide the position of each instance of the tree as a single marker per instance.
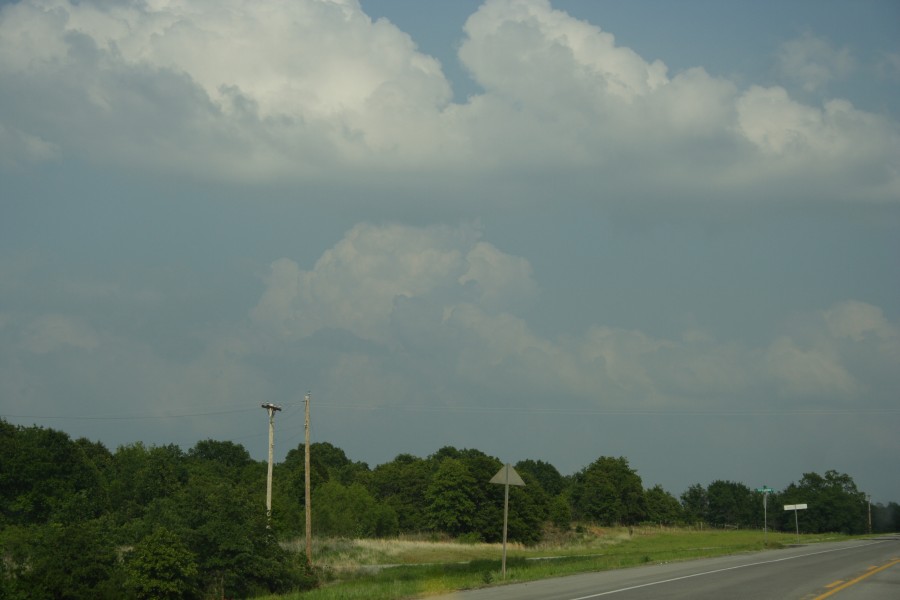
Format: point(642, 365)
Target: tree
point(59, 562)
point(161, 567)
point(401, 484)
point(449, 498)
point(332, 461)
point(695, 502)
point(560, 512)
point(224, 526)
point(45, 476)
point(226, 455)
point(487, 519)
point(528, 509)
point(733, 504)
point(835, 504)
point(351, 511)
point(609, 491)
point(141, 475)
point(544, 474)
point(662, 507)
point(886, 518)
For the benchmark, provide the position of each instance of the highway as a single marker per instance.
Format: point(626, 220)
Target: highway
point(856, 570)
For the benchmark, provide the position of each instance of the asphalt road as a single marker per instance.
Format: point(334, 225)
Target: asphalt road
point(858, 570)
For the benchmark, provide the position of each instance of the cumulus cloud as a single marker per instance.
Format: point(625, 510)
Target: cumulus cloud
point(54, 331)
point(317, 90)
point(810, 372)
point(356, 284)
point(856, 320)
point(446, 300)
point(18, 148)
point(812, 61)
point(276, 86)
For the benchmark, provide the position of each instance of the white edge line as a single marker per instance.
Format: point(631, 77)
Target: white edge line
point(765, 562)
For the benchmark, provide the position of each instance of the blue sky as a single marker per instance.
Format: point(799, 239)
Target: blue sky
point(665, 231)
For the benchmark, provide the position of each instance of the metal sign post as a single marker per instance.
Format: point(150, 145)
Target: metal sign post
point(795, 508)
point(506, 476)
point(765, 491)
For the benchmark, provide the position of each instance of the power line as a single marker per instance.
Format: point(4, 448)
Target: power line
point(623, 412)
point(127, 417)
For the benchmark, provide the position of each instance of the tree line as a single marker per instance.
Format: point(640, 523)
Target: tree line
point(80, 521)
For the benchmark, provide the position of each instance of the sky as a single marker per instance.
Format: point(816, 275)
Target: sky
point(547, 230)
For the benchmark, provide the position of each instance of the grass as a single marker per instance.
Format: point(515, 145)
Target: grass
point(416, 568)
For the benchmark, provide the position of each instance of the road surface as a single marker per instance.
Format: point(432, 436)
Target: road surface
point(857, 570)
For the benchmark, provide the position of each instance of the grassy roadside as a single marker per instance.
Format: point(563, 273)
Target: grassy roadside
point(410, 568)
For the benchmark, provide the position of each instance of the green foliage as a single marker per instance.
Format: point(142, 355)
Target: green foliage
point(224, 526)
point(193, 525)
point(46, 476)
point(886, 518)
point(543, 474)
point(57, 561)
point(528, 510)
point(449, 498)
point(223, 455)
point(609, 491)
point(141, 475)
point(662, 507)
point(835, 504)
point(487, 518)
point(695, 502)
point(351, 511)
point(400, 484)
point(161, 567)
point(733, 504)
point(560, 512)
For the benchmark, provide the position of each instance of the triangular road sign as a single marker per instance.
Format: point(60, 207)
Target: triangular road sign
point(507, 475)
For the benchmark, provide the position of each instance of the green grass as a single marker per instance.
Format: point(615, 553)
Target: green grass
point(416, 568)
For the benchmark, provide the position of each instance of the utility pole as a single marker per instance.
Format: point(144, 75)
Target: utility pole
point(869, 499)
point(271, 408)
point(306, 486)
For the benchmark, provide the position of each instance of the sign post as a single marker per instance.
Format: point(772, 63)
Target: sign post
point(765, 491)
point(795, 508)
point(506, 476)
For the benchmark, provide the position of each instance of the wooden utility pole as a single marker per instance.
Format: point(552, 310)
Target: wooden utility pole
point(271, 408)
point(869, 499)
point(306, 487)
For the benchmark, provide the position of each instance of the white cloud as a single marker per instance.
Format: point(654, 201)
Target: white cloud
point(889, 66)
point(18, 148)
point(812, 62)
point(780, 126)
point(810, 372)
point(253, 88)
point(355, 284)
point(523, 50)
point(441, 294)
point(314, 90)
point(855, 320)
point(54, 331)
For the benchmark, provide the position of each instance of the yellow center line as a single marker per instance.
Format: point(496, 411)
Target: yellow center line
point(834, 583)
point(868, 573)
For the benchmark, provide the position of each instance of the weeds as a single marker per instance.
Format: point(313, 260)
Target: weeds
point(417, 567)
